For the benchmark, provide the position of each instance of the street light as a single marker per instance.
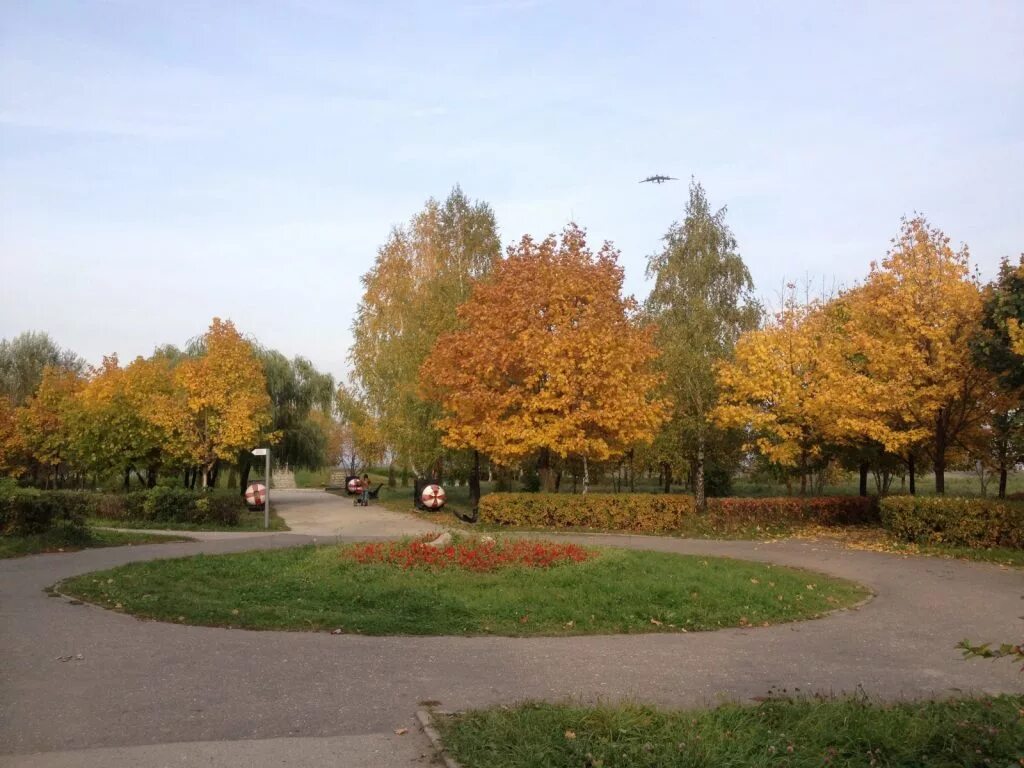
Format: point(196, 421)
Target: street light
point(266, 479)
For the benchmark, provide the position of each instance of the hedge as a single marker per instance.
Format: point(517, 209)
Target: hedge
point(975, 523)
point(171, 505)
point(667, 513)
point(26, 511)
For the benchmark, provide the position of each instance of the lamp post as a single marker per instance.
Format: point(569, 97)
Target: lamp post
point(266, 478)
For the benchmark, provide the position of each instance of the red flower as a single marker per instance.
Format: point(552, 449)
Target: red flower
point(471, 555)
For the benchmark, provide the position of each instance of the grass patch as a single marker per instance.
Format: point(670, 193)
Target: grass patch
point(64, 539)
point(247, 521)
point(797, 734)
point(323, 588)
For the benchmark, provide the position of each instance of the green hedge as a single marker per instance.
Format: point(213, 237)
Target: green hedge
point(667, 513)
point(26, 511)
point(975, 523)
point(172, 505)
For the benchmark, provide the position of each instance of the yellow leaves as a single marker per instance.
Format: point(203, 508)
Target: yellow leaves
point(1016, 333)
point(548, 355)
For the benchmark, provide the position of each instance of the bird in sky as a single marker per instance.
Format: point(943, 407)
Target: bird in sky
point(658, 179)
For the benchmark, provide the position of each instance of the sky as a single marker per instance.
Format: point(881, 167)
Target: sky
point(165, 163)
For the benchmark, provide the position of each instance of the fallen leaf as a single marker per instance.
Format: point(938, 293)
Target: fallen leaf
point(336, 631)
point(524, 619)
point(569, 624)
point(401, 731)
point(655, 622)
point(570, 735)
point(755, 581)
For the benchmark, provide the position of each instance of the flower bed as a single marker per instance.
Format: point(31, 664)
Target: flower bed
point(480, 555)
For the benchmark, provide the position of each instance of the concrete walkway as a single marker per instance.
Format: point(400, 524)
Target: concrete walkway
point(204, 693)
point(324, 515)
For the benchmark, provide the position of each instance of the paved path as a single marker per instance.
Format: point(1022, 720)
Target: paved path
point(323, 515)
point(148, 683)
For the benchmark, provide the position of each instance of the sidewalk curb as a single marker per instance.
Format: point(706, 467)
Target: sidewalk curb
point(426, 721)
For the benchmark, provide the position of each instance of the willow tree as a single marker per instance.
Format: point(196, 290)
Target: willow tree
point(701, 302)
point(424, 271)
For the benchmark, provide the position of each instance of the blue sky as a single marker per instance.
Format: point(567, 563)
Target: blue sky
point(162, 163)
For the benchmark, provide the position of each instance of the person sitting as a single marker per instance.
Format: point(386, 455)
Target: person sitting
point(364, 491)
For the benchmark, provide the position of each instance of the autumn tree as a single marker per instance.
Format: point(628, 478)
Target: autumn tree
point(912, 322)
point(45, 422)
point(701, 302)
point(776, 387)
point(423, 272)
point(226, 407)
point(11, 449)
point(548, 358)
point(998, 346)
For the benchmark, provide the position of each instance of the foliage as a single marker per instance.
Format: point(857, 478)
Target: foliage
point(170, 505)
point(955, 521)
point(27, 512)
point(223, 399)
point(300, 396)
point(23, 360)
point(665, 513)
point(642, 513)
point(777, 388)
point(797, 733)
point(548, 357)
point(911, 324)
point(999, 342)
point(45, 422)
point(986, 651)
point(470, 555)
point(320, 588)
point(701, 302)
point(421, 275)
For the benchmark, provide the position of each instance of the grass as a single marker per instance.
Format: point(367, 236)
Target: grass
point(319, 588)
point(247, 521)
point(851, 733)
point(63, 539)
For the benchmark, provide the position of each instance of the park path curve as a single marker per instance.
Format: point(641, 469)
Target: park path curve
point(143, 682)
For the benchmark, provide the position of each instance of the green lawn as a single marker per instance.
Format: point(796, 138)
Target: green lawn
point(248, 521)
point(318, 588)
point(61, 539)
point(844, 733)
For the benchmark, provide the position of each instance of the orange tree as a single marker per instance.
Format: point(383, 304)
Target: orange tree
point(548, 358)
point(911, 324)
point(45, 422)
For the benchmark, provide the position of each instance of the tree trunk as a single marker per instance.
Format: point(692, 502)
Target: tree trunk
point(632, 473)
point(940, 453)
point(474, 485)
point(668, 476)
point(1002, 480)
point(864, 467)
point(586, 475)
point(547, 478)
point(405, 477)
point(127, 478)
point(152, 473)
point(912, 471)
point(698, 476)
point(391, 475)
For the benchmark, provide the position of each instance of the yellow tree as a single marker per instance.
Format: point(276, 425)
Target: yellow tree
point(911, 324)
point(548, 357)
point(45, 422)
point(777, 386)
point(11, 449)
point(224, 406)
point(421, 275)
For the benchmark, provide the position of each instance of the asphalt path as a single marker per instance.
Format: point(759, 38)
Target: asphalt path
point(152, 693)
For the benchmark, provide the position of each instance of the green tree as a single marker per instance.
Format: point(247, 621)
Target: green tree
point(702, 301)
point(424, 271)
point(23, 358)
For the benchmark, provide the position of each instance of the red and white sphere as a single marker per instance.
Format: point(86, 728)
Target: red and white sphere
point(353, 485)
point(433, 496)
point(256, 494)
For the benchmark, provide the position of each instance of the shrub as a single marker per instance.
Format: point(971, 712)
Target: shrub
point(666, 513)
point(171, 505)
point(647, 513)
point(25, 512)
point(975, 523)
point(473, 555)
